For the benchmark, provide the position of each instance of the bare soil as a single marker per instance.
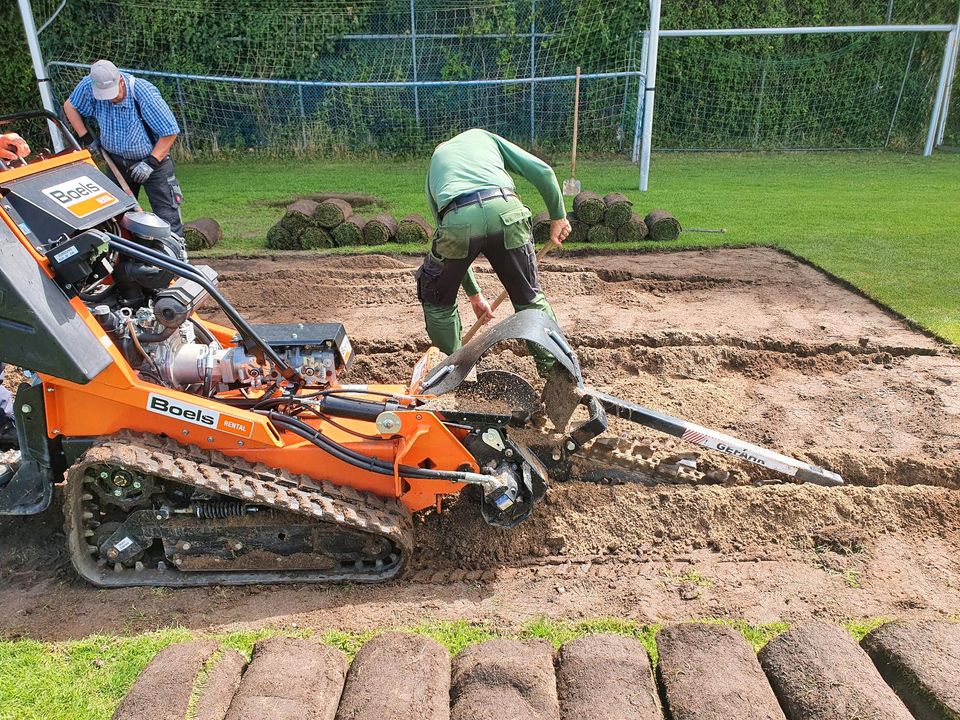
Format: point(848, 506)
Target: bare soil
point(751, 342)
point(290, 679)
point(710, 672)
point(398, 676)
point(504, 679)
point(606, 677)
point(163, 689)
point(921, 661)
point(819, 673)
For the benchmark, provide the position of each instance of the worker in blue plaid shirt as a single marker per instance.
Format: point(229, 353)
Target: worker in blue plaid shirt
point(137, 129)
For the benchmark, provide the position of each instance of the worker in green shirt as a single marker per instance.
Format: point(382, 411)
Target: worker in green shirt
point(477, 211)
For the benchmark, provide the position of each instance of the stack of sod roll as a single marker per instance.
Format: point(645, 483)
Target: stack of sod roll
point(308, 225)
point(609, 219)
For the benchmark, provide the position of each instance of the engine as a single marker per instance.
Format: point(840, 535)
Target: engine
point(164, 342)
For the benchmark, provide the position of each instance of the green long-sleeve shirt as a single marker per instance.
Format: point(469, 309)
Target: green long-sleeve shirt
point(478, 159)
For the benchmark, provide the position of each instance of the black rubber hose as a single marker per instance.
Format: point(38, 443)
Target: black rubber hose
point(356, 459)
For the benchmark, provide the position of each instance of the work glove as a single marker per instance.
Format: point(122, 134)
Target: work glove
point(89, 142)
point(141, 172)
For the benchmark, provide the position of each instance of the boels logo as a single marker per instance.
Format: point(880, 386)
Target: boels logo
point(81, 196)
point(198, 415)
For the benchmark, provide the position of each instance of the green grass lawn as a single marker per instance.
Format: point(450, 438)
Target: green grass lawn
point(86, 679)
point(889, 224)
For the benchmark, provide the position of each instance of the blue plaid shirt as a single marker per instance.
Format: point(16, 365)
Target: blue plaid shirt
point(121, 131)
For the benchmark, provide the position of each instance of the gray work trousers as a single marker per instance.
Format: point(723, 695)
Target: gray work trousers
point(163, 190)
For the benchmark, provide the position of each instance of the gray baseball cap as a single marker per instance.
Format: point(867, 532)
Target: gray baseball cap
point(106, 80)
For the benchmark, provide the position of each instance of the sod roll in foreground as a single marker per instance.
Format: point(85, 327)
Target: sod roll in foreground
point(541, 227)
point(618, 210)
point(661, 225)
point(315, 238)
point(413, 228)
point(589, 207)
point(331, 213)
point(349, 232)
point(379, 229)
point(279, 238)
point(633, 229)
point(299, 217)
point(601, 234)
point(202, 233)
point(578, 230)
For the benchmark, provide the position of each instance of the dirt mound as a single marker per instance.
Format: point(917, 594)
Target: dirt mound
point(290, 679)
point(163, 689)
point(921, 661)
point(606, 677)
point(504, 679)
point(710, 672)
point(582, 520)
point(397, 676)
point(819, 673)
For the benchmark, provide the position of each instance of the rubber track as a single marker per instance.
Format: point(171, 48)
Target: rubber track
point(258, 484)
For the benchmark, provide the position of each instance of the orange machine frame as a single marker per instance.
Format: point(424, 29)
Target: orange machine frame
point(117, 399)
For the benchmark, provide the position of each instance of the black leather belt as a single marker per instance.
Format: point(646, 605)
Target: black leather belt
point(476, 197)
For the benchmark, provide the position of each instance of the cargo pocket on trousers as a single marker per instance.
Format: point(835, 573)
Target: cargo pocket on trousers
point(428, 277)
point(516, 227)
point(176, 194)
point(452, 241)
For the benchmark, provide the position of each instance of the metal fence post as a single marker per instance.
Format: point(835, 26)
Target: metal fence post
point(41, 72)
point(413, 52)
point(303, 116)
point(941, 92)
point(183, 115)
point(641, 81)
point(650, 82)
point(945, 111)
point(533, 69)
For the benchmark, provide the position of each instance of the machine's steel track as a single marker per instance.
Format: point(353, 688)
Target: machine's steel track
point(354, 511)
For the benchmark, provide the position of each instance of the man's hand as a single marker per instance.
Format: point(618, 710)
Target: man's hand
point(89, 142)
point(481, 308)
point(559, 230)
point(13, 147)
point(142, 171)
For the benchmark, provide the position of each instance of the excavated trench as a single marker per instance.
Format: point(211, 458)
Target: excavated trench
point(750, 342)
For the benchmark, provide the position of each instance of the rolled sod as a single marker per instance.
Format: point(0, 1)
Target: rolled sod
point(619, 209)
point(413, 229)
point(578, 230)
point(589, 207)
point(379, 229)
point(315, 238)
point(633, 230)
point(202, 233)
point(299, 217)
point(279, 238)
point(331, 213)
point(349, 232)
point(601, 234)
point(661, 225)
point(541, 227)
point(164, 687)
point(819, 673)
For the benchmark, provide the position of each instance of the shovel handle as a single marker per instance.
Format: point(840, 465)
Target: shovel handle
point(500, 298)
point(117, 174)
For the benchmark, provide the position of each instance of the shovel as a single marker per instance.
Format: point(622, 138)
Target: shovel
point(571, 186)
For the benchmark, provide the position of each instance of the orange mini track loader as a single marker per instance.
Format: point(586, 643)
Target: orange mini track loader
point(194, 453)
